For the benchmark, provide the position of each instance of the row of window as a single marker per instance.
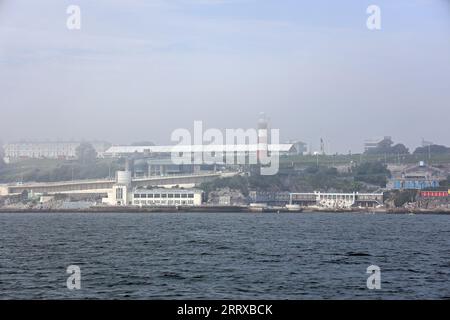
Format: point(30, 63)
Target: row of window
point(39, 154)
point(163, 195)
point(163, 202)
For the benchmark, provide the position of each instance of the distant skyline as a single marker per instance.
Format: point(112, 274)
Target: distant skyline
point(137, 70)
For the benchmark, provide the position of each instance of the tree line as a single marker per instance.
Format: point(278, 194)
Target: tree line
point(387, 146)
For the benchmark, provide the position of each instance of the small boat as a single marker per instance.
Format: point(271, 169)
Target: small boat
point(257, 207)
point(294, 207)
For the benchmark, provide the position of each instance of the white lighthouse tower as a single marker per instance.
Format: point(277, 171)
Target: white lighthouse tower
point(263, 133)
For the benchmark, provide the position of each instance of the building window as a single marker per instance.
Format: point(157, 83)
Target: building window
point(143, 196)
point(177, 195)
point(190, 195)
point(170, 195)
point(164, 195)
point(150, 195)
point(156, 195)
point(184, 195)
point(119, 193)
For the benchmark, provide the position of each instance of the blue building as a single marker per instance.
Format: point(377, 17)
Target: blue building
point(417, 178)
point(418, 184)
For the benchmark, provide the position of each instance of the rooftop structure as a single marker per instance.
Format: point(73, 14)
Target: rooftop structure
point(47, 149)
point(300, 147)
point(117, 151)
point(374, 142)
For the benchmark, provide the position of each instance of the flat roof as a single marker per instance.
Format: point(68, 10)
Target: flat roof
point(198, 148)
point(166, 190)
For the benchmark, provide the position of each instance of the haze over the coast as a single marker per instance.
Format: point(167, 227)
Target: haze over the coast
point(138, 71)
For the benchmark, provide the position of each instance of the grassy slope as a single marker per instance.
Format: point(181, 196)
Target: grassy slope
point(42, 170)
point(329, 160)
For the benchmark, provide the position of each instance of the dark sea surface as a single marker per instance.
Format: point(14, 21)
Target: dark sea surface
point(224, 255)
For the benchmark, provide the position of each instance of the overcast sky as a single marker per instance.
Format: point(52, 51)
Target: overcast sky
point(139, 69)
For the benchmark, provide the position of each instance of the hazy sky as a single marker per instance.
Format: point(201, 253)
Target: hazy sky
point(139, 69)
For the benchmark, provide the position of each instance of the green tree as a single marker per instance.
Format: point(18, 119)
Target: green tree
point(371, 168)
point(237, 183)
point(375, 173)
point(386, 147)
point(86, 153)
point(399, 148)
point(434, 149)
point(404, 197)
point(445, 183)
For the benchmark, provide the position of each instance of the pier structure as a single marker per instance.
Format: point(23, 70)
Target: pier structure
point(103, 186)
point(336, 200)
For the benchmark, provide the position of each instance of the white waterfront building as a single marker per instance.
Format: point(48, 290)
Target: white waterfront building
point(337, 200)
point(123, 194)
point(167, 197)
